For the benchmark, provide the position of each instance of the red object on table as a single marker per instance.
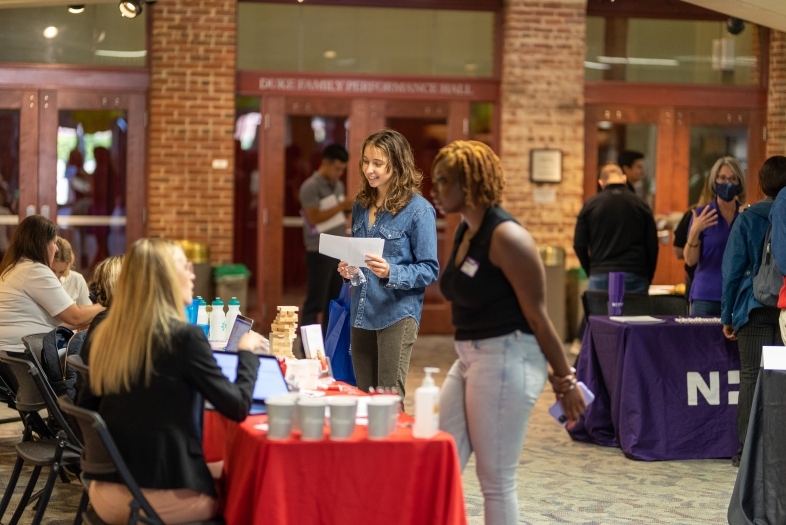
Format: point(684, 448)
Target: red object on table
point(400, 480)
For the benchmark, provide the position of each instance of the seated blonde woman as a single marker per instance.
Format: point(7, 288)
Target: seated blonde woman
point(63, 266)
point(150, 373)
point(102, 288)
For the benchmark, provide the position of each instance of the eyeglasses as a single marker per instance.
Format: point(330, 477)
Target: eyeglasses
point(723, 179)
point(188, 267)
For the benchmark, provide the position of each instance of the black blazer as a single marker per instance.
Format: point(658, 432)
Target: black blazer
point(158, 429)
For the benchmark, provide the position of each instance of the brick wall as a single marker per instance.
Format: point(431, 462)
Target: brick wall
point(776, 96)
point(542, 105)
point(191, 122)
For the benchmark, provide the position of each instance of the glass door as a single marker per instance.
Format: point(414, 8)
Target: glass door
point(93, 156)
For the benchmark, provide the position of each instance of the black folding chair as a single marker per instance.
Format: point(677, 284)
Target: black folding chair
point(100, 456)
point(63, 449)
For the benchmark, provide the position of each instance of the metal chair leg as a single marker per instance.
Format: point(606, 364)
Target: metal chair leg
point(46, 494)
point(9, 490)
point(26, 496)
point(82, 507)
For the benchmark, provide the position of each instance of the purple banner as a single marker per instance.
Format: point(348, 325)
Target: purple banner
point(663, 391)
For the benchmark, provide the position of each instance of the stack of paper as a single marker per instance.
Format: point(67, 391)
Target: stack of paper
point(636, 319)
point(351, 249)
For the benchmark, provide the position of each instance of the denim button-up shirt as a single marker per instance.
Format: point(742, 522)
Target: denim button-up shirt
point(410, 250)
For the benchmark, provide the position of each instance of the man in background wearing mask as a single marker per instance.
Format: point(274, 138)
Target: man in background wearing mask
point(615, 232)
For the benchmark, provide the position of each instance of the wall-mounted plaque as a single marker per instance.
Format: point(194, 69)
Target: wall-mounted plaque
point(545, 165)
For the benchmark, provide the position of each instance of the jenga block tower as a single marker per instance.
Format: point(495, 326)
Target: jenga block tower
point(283, 331)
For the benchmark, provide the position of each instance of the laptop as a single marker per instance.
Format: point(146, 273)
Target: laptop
point(270, 380)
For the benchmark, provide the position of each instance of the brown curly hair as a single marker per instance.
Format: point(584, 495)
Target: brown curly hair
point(478, 168)
point(105, 275)
point(406, 176)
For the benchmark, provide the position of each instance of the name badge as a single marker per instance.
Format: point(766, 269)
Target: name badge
point(470, 267)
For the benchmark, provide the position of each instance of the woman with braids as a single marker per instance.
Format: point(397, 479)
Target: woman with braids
point(495, 282)
point(386, 309)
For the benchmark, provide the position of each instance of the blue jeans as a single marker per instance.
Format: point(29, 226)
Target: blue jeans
point(485, 405)
point(700, 308)
point(633, 282)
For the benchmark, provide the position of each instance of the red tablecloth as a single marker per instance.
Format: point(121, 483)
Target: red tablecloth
point(400, 480)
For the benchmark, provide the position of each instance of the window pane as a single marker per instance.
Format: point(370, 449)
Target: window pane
point(679, 51)
point(613, 139)
point(97, 36)
point(481, 122)
point(91, 184)
point(365, 40)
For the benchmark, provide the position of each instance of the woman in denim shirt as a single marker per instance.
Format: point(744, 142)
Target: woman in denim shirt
point(743, 317)
point(386, 308)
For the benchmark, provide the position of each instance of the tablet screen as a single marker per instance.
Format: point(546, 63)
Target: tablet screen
point(239, 329)
point(270, 381)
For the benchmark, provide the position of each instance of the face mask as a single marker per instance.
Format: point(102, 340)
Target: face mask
point(726, 190)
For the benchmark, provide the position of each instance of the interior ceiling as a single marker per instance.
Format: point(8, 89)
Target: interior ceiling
point(33, 3)
point(768, 13)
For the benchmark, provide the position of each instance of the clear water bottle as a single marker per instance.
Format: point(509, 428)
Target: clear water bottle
point(356, 276)
point(202, 317)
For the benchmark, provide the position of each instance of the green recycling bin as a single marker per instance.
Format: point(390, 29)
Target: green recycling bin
point(232, 281)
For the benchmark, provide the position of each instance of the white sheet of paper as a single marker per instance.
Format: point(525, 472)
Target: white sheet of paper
point(339, 219)
point(312, 340)
point(773, 357)
point(350, 249)
point(636, 319)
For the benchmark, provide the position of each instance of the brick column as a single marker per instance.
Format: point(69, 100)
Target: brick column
point(542, 106)
point(192, 112)
point(776, 96)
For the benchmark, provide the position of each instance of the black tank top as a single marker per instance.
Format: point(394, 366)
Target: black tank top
point(483, 302)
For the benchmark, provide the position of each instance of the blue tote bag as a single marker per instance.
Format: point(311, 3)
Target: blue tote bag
point(337, 341)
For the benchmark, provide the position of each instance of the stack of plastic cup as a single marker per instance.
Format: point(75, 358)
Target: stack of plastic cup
point(616, 292)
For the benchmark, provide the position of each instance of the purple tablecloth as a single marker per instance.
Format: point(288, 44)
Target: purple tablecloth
point(663, 391)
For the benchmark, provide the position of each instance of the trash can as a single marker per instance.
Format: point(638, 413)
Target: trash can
point(554, 260)
point(232, 281)
point(577, 284)
point(198, 253)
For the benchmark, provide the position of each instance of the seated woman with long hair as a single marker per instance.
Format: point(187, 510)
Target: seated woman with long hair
point(32, 299)
point(102, 288)
point(150, 373)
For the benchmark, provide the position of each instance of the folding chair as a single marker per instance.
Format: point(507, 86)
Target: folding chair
point(63, 449)
point(101, 456)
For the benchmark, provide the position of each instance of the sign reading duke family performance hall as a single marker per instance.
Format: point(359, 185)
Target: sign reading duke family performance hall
point(364, 87)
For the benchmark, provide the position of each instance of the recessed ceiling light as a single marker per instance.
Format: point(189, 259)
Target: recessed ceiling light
point(329, 54)
point(76, 9)
point(50, 32)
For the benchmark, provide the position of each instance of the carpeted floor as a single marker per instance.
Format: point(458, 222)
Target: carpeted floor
point(559, 481)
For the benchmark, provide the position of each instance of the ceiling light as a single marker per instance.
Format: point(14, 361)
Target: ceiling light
point(130, 8)
point(50, 32)
point(76, 9)
point(329, 54)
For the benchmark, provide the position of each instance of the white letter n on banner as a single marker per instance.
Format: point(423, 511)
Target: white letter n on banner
point(696, 384)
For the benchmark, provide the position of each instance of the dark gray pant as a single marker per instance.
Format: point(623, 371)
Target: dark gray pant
point(381, 357)
point(324, 284)
point(762, 329)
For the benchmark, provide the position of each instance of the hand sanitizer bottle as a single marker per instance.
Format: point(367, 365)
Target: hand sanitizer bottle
point(233, 310)
point(218, 322)
point(427, 406)
point(202, 312)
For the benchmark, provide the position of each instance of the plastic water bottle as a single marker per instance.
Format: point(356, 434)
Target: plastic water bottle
point(218, 322)
point(202, 312)
point(427, 406)
point(233, 310)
